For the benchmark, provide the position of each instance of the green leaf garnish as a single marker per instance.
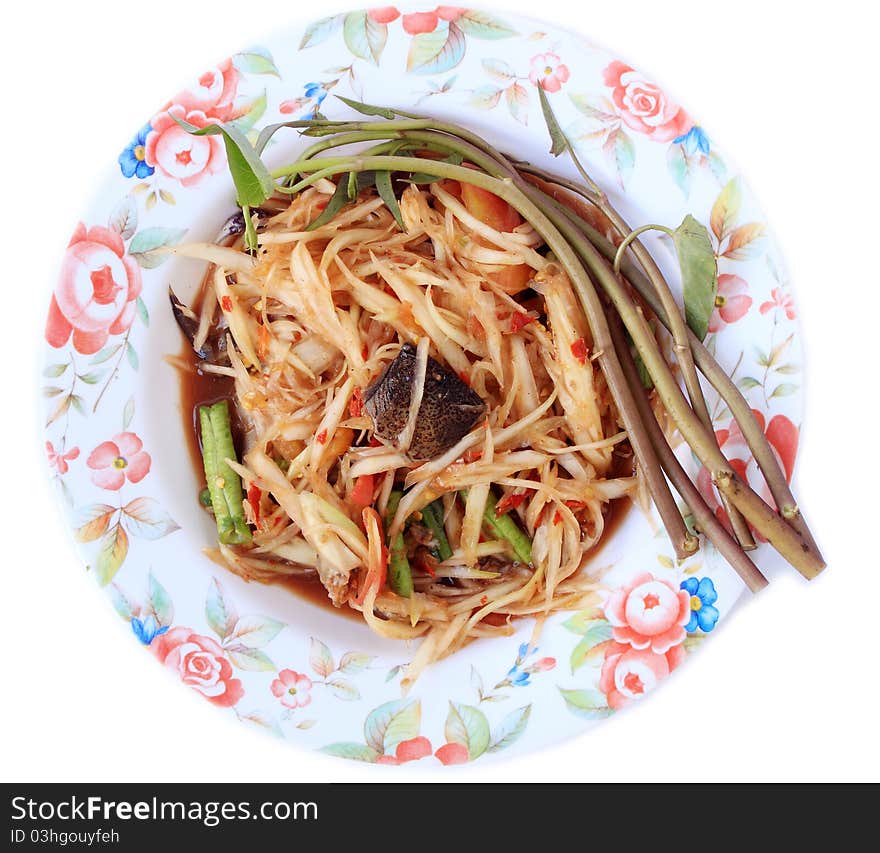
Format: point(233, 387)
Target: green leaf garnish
point(559, 141)
point(253, 183)
point(699, 273)
point(371, 110)
point(386, 192)
point(337, 201)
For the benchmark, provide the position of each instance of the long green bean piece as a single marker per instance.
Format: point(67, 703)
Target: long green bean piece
point(224, 485)
point(504, 527)
point(399, 571)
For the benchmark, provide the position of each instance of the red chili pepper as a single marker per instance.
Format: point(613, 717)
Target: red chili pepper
point(519, 320)
point(484, 599)
point(472, 455)
point(557, 517)
point(254, 493)
point(321, 437)
point(508, 502)
point(356, 404)
point(463, 376)
point(226, 303)
point(362, 493)
point(579, 350)
point(574, 506)
point(425, 561)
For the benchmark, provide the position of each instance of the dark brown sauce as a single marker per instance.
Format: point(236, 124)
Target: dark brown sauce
point(310, 589)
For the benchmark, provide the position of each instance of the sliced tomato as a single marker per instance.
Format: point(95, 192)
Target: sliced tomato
point(362, 493)
point(513, 280)
point(452, 187)
point(498, 214)
point(489, 208)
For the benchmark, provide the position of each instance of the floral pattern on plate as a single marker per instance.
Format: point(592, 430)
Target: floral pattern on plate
point(113, 442)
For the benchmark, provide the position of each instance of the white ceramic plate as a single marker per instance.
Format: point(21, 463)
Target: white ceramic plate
point(114, 426)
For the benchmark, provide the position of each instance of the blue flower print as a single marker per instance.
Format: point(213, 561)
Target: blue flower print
point(703, 596)
point(318, 91)
point(521, 676)
point(146, 630)
point(132, 160)
point(695, 139)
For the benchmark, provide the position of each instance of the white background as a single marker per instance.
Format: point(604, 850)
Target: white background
point(788, 689)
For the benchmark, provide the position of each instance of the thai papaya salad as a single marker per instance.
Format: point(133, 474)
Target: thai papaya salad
point(446, 366)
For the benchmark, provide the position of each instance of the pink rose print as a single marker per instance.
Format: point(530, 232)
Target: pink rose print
point(645, 107)
point(781, 301)
point(731, 302)
point(649, 613)
point(420, 747)
point(59, 461)
point(383, 14)
point(211, 100)
point(420, 22)
point(96, 291)
point(213, 93)
point(548, 72)
point(179, 155)
point(781, 434)
point(628, 673)
point(292, 688)
point(200, 663)
point(114, 461)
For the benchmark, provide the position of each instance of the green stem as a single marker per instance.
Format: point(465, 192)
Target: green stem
point(681, 341)
point(709, 367)
point(704, 518)
point(224, 485)
point(785, 539)
point(634, 235)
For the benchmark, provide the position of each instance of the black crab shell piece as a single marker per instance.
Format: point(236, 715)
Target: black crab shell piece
point(449, 408)
point(214, 347)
